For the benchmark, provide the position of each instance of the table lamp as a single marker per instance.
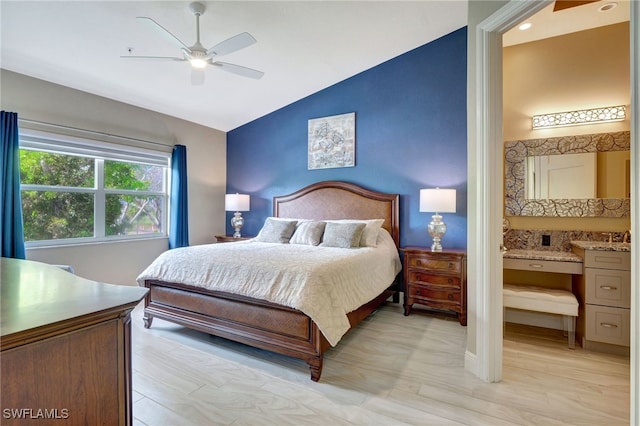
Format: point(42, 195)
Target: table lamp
point(438, 201)
point(236, 203)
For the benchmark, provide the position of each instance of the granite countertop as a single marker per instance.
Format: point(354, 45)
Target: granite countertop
point(602, 245)
point(557, 256)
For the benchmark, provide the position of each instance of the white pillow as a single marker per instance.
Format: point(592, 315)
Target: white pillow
point(370, 233)
point(308, 232)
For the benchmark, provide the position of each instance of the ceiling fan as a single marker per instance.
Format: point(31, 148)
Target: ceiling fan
point(198, 56)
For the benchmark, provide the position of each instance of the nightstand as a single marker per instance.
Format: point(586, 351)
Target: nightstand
point(437, 279)
point(230, 238)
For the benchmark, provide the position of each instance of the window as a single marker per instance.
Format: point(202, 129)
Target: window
point(75, 190)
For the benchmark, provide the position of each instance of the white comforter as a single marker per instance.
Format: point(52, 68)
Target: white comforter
point(325, 283)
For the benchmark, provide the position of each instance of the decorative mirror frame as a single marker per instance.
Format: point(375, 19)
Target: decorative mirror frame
point(515, 154)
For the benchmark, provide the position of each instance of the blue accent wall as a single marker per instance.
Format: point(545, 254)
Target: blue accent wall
point(411, 133)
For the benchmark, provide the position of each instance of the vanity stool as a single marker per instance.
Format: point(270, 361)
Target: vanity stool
point(539, 299)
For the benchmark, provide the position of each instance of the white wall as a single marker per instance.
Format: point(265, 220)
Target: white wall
point(121, 262)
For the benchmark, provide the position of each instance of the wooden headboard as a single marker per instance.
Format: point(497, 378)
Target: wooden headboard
point(341, 200)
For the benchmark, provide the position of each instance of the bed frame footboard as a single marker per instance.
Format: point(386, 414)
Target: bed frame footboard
point(250, 321)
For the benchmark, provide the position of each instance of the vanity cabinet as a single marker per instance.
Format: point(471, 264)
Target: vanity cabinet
point(605, 295)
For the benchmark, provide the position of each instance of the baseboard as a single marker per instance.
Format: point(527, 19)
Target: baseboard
point(471, 363)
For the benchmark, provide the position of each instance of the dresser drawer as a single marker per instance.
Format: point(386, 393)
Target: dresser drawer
point(608, 325)
point(441, 263)
point(607, 259)
point(420, 292)
point(608, 287)
point(433, 279)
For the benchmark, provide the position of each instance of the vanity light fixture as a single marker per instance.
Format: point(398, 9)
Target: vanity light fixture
point(579, 117)
point(437, 201)
point(237, 203)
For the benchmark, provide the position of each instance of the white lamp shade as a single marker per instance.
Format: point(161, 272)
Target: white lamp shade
point(436, 200)
point(236, 202)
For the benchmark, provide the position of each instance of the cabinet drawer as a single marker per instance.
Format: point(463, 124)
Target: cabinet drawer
point(543, 266)
point(607, 259)
point(420, 292)
point(434, 279)
point(440, 263)
point(608, 287)
point(607, 325)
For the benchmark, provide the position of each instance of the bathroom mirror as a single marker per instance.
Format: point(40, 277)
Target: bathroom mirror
point(540, 175)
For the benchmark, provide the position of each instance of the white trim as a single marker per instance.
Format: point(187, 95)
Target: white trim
point(48, 244)
point(471, 362)
point(486, 248)
point(634, 118)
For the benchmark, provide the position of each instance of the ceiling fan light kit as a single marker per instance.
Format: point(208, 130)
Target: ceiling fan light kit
point(198, 56)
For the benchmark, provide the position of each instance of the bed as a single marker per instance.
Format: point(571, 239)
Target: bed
point(263, 323)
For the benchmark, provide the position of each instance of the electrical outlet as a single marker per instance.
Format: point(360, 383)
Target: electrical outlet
point(546, 240)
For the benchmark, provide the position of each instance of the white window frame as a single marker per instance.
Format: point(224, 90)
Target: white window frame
point(99, 151)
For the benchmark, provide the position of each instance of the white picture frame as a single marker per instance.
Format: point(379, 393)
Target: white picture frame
point(332, 141)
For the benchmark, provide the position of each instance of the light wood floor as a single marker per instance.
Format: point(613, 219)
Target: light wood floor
point(390, 370)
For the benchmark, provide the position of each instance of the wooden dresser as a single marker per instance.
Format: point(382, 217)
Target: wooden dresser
point(66, 347)
point(437, 279)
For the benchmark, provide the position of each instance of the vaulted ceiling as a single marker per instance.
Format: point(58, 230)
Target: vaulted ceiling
point(302, 47)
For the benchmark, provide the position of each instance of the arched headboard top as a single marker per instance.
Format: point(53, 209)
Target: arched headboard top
point(330, 200)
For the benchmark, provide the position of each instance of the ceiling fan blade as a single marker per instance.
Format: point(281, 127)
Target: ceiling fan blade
point(232, 44)
point(240, 70)
point(156, 25)
point(197, 76)
point(157, 58)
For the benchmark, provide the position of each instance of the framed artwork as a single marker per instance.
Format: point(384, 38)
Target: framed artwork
point(332, 141)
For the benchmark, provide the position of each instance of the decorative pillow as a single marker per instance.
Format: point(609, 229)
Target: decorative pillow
point(345, 235)
point(308, 232)
point(371, 230)
point(276, 231)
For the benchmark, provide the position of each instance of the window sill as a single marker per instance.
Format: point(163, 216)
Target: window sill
point(37, 245)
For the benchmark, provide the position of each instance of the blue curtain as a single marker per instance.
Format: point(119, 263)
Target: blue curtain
point(11, 225)
point(178, 210)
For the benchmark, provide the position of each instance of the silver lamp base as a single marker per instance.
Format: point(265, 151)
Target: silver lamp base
point(236, 222)
point(436, 228)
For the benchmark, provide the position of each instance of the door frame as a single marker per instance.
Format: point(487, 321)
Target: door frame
point(485, 242)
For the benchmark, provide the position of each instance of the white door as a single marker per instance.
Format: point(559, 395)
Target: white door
point(567, 176)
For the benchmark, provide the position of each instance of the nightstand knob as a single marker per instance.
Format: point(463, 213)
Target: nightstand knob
point(450, 296)
point(451, 265)
point(417, 291)
point(450, 280)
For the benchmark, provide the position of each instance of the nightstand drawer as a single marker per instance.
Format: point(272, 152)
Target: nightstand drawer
point(441, 263)
point(433, 279)
point(420, 292)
